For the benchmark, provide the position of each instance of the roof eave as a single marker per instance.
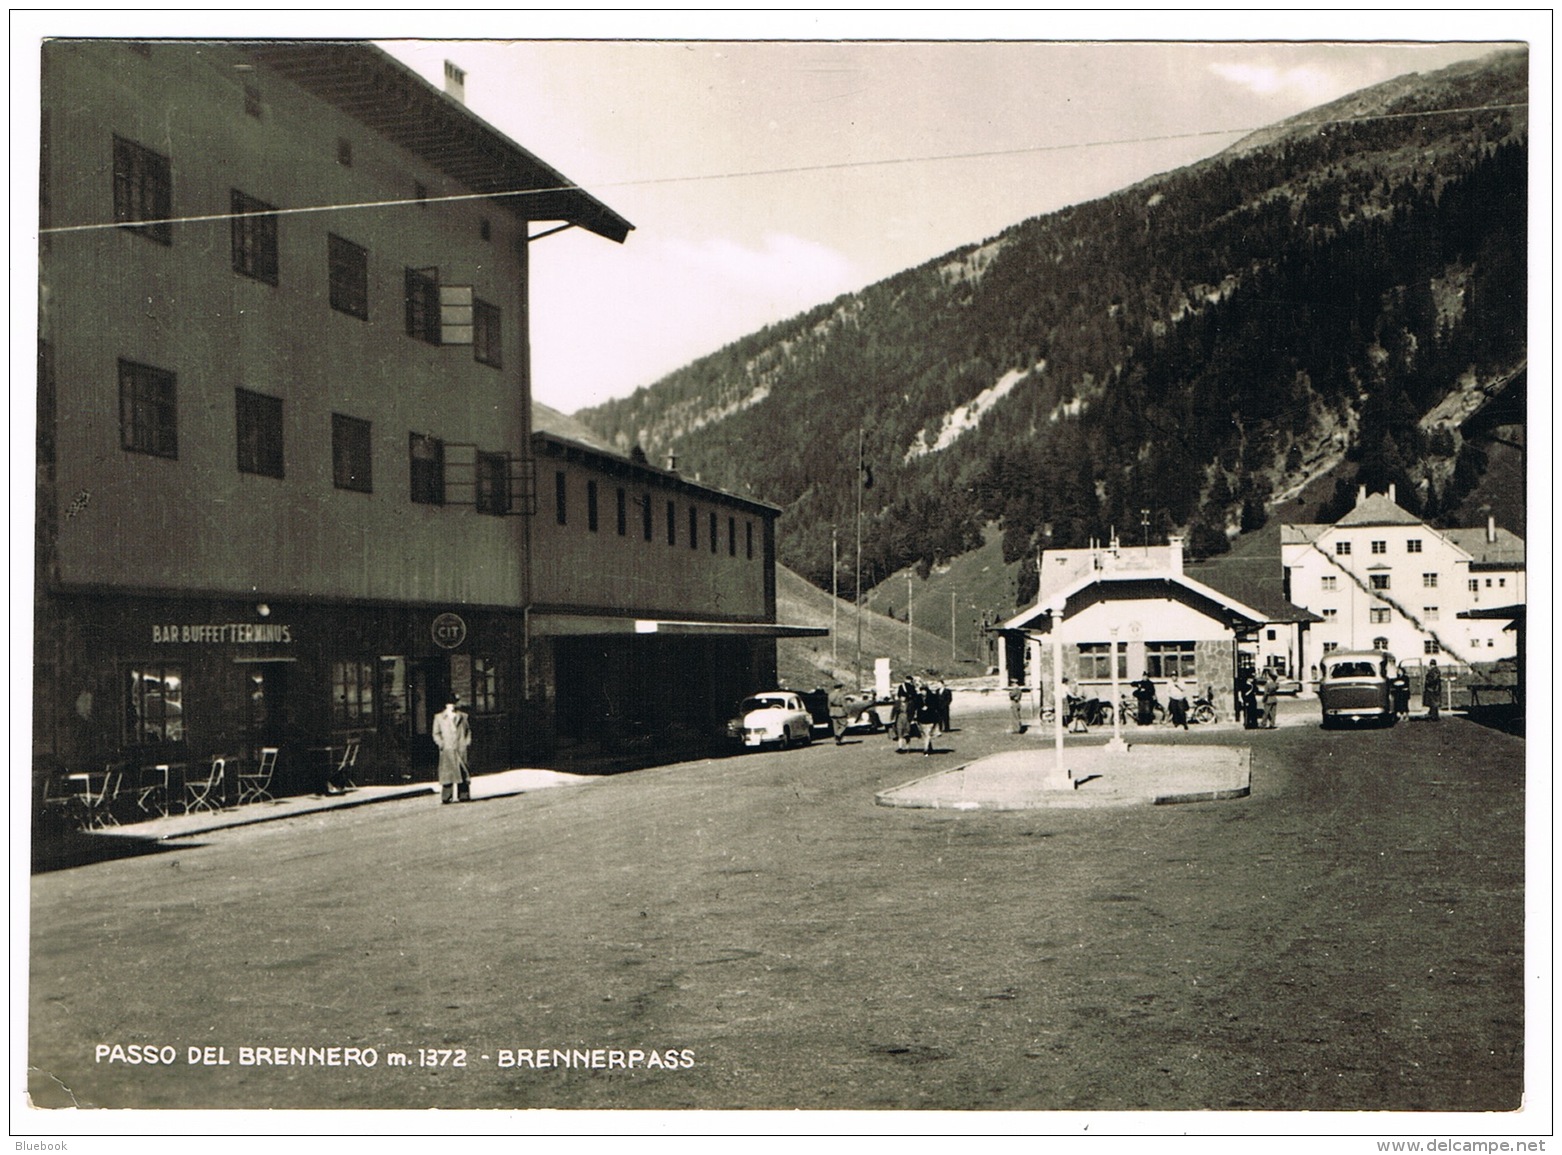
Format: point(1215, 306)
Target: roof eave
point(386, 96)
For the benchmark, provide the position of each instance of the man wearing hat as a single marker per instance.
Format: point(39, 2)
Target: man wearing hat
point(453, 734)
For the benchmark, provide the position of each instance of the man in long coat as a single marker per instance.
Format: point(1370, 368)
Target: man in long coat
point(453, 734)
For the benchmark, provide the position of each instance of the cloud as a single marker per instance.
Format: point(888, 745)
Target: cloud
point(1311, 83)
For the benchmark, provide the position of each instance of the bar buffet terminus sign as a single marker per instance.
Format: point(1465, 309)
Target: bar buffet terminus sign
point(223, 633)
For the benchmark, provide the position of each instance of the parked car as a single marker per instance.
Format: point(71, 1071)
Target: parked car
point(777, 716)
point(1357, 686)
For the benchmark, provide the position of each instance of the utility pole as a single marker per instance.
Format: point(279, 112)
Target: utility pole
point(952, 630)
point(1144, 520)
point(835, 596)
point(908, 617)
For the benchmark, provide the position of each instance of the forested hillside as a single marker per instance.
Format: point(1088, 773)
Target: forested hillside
point(1337, 293)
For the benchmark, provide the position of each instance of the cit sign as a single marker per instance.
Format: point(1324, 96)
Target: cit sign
point(449, 631)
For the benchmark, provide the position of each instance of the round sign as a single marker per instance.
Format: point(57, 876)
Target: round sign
point(449, 631)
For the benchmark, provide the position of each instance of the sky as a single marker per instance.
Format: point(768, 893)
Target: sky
point(771, 163)
point(764, 177)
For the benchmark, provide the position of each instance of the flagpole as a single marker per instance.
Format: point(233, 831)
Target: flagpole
point(857, 583)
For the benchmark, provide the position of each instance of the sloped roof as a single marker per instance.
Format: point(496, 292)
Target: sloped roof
point(388, 97)
point(1506, 552)
point(1255, 582)
point(1303, 533)
point(1057, 601)
point(1378, 510)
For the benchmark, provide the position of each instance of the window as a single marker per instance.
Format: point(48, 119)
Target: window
point(154, 712)
point(623, 512)
point(1330, 614)
point(493, 484)
point(1330, 647)
point(1380, 547)
point(1379, 615)
point(1502, 583)
point(1380, 643)
point(732, 537)
point(1429, 581)
point(1413, 545)
point(350, 458)
point(143, 190)
point(1488, 583)
point(1429, 613)
point(1270, 635)
point(591, 505)
point(713, 531)
point(352, 693)
point(694, 528)
point(147, 410)
point(254, 232)
point(1379, 581)
point(1430, 646)
point(1330, 584)
point(645, 517)
point(1095, 662)
point(422, 306)
point(259, 420)
point(560, 498)
point(349, 273)
point(1475, 585)
point(485, 334)
point(427, 458)
point(485, 686)
point(1341, 549)
point(672, 524)
point(1169, 660)
point(749, 528)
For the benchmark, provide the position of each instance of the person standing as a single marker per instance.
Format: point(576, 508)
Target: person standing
point(453, 735)
point(1432, 690)
point(929, 707)
point(838, 712)
point(1269, 687)
point(1177, 703)
point(1016, 693)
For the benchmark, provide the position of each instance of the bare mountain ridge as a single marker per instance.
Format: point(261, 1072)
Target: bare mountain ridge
point(1302, 307)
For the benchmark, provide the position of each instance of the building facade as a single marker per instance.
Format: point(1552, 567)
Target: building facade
point(1381, 578)
point(1132, 608)
point(287, 492)
point(654, 601)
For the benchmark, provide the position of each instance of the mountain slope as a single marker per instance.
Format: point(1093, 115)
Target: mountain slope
point(1179, 356)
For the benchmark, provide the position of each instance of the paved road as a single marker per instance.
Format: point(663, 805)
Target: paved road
point(1348, 937)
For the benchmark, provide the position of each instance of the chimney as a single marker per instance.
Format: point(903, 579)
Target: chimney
point(672, 463)
point(1361, 494)
point(1391, 492)
point(1174, 545)
point(455, 82)
point(1491, 529)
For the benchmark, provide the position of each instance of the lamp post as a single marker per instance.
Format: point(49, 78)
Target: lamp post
point(1117, 713)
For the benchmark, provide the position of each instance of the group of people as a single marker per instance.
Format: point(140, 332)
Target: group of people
point(920, 709)
point(1258, 699)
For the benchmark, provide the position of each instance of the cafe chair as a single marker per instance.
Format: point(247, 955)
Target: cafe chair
point(98, 805)
point(341, 779)
point(152, 790)
point(255, 784)
point(205, 793)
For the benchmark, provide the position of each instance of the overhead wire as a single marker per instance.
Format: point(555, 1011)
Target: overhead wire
point(795, 170)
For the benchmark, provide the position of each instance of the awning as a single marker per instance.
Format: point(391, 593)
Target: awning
point(577, 625)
